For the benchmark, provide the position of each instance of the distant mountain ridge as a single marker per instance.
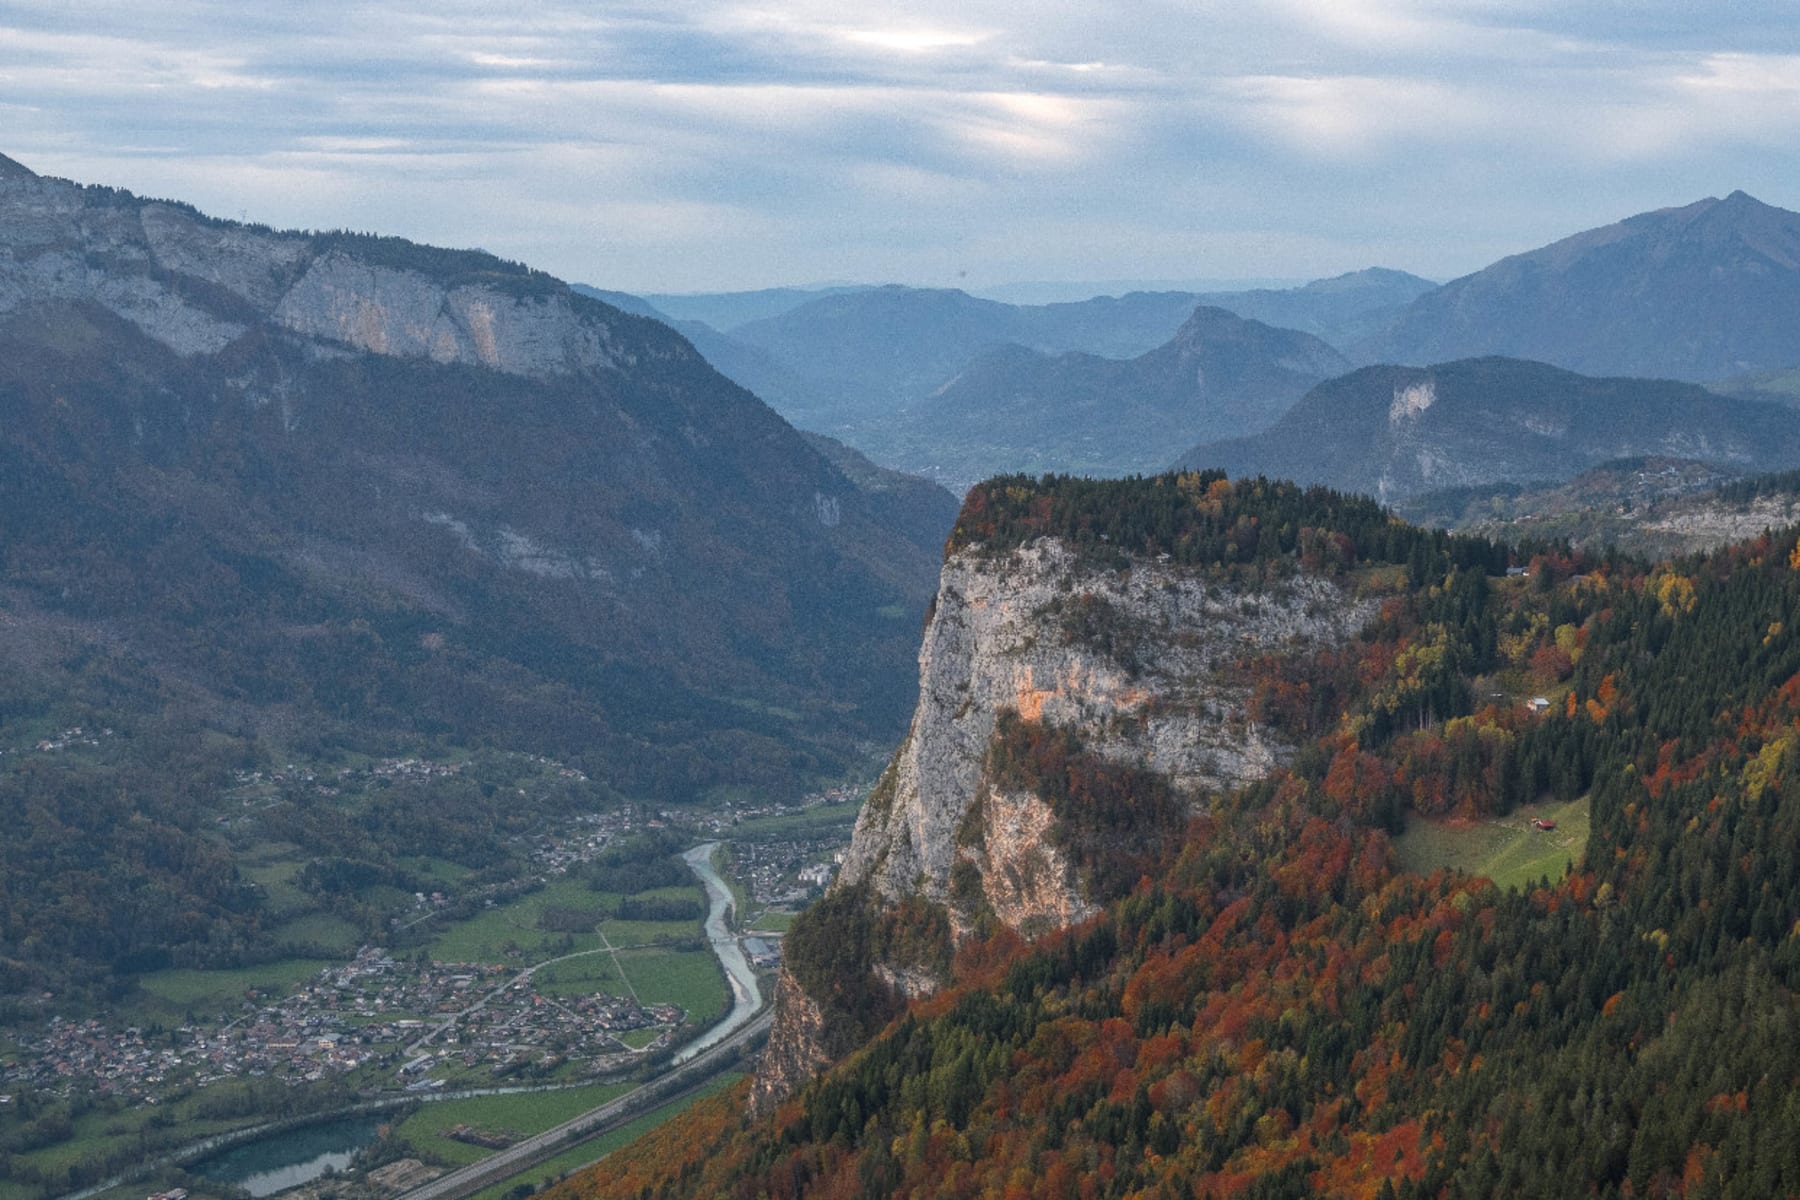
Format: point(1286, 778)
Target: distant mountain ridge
point(1344, 310)
point(1701, 292)
point(899, 372)
point(1395, 431)
point(1016, 409)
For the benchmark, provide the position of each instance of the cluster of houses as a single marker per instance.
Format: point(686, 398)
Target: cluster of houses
point(420, 1019)
point(75, 736)
point(479, 1018)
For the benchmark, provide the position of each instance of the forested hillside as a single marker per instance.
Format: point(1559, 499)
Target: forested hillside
point(277, 508)
point(1273, 1008)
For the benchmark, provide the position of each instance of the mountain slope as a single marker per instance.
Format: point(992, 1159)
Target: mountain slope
point(1399, 431)
point(1701, 292)
point(1016, 409)
point(1269, 1006)
point(352, 481)
point(725, 311)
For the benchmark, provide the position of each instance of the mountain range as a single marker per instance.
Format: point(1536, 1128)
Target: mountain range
point(1701, 292)
point(379, 490)
point(882, 367)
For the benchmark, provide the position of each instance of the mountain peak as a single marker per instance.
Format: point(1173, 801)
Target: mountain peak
point(1698, 292)
point(13, 169)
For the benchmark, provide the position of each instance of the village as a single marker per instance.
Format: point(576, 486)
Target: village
point(429, 1024)
point(792, 868)
point(397, 1020)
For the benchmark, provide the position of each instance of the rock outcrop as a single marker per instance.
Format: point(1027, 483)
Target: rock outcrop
point(1141, 664)
point(196, 284)
point(796, 1046)
point(1133, 660)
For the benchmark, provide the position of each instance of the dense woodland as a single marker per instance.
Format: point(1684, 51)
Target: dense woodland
point(1273, 1009)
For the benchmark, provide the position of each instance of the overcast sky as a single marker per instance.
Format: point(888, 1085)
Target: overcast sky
point(710, 144)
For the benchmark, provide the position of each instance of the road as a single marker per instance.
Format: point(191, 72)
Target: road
point(697, 1062)
point(522, 1156)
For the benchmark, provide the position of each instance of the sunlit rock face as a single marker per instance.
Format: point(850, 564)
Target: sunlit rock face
point(1138, 663)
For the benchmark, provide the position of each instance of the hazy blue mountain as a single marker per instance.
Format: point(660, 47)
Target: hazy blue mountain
point(1017, 409)
point(1702, 292)
point(726, 310)
point(853, 357)
point(1061, 291)
point(750, 367)
point(866, 352)
point(637, 306)
point(1399, 431)
point(1344, 310)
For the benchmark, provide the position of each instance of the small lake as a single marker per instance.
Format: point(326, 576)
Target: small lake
point(284, 1160)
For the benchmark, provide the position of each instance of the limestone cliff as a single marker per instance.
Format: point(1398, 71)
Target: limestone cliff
point(1139, 664)
point(795, 1050)
point(196, 284)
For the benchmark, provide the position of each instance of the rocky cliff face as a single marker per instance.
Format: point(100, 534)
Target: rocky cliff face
point(196, 284)
point(1138, 664)
point(1133, 660)
point(795, 1050)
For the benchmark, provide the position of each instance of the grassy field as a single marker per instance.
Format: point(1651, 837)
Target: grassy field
point(174, 992)
point(771, 919)
point(522, 1113)
point(581, 977)
point(277, 881)
point(637, 1039)
point(689, 978)
point(813, 820)
point(436, 870)
point(97, 1135)
point(510, 932)
point(650, 933)
point(323, 930)
point(592, 1152)
point(1505, 849)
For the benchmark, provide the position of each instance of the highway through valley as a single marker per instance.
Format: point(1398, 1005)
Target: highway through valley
point(699, 1061)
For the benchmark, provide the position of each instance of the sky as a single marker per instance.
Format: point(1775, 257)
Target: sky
point(707, 145)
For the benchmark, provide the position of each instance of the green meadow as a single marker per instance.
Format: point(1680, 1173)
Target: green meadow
point(1507, 850)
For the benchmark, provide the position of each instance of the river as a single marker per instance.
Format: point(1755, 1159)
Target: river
point(746, 996)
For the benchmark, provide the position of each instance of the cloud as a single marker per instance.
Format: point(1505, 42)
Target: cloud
point(720, 143)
